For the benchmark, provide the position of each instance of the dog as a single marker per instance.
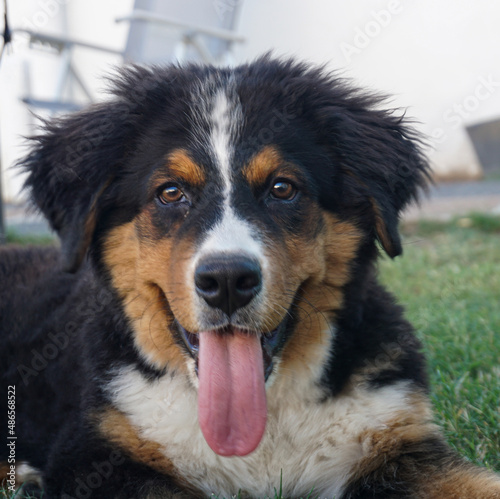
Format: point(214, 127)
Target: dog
point(212, 323)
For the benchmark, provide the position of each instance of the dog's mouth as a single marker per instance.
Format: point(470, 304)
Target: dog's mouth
point(271, 344)
point(233, 365)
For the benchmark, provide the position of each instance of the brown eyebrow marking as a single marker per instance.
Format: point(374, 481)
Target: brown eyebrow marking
point(180, 165)
point(262, 165)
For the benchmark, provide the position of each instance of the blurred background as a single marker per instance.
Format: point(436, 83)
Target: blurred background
point(440, 60)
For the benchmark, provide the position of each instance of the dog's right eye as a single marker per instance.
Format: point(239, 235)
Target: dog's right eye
point(170, 194)
point(283, 190)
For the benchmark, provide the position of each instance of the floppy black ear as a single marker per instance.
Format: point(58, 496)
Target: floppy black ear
point(382, 155)
point(69, 168)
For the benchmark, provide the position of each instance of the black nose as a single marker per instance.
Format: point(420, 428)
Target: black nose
point(228, 283)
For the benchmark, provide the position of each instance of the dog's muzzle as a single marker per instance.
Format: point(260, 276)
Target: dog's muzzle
point(232, 361)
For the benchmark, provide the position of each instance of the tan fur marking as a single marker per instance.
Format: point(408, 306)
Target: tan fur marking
point(453, 480)
point(142, 273)
point(180, 165)
point(466, 482)
point(115, 426)
point(23, 472)
point(263, 164)
point(75, 253)
point(408, 427)
point(4, 468)
point(325, 266)
point(380, 225)
point(381, 229)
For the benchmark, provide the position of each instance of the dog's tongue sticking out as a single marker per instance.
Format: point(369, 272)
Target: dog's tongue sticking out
point(231, 397)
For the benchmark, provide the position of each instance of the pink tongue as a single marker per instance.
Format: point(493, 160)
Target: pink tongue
point(231, 396)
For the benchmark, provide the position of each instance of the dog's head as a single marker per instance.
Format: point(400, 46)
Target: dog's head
point(229, 209)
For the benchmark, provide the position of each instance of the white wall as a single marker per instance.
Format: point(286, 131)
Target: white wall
point(439, 59)
point(17, 63)
point(94, 21)
point(26, 71)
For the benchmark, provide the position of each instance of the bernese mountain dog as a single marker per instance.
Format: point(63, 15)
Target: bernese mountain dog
point(212, 324)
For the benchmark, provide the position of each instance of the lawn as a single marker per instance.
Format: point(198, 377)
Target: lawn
point(449, 281)
point(14, 237)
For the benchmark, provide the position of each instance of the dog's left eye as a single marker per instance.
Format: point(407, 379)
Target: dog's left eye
point(284, 190)
point(170, 194)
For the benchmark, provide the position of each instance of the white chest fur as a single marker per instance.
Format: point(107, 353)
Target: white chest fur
point(312, 444)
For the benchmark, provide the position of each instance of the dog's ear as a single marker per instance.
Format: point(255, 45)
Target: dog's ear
point(69, 169)
point(383, 165)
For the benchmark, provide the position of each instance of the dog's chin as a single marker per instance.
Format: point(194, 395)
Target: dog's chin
point(271, 342)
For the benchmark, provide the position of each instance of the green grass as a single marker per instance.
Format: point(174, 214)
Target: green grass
point(449, 282)
point(5, 495)
point(278, 493)
point(480, 221)
point(13, 237)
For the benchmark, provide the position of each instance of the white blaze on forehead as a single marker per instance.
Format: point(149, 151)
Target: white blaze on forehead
point(231, 234)
point(225, 121)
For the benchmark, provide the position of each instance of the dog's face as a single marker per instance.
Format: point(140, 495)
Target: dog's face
point(229, 209)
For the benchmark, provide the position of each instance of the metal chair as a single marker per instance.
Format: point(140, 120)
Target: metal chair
point(153, 37)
